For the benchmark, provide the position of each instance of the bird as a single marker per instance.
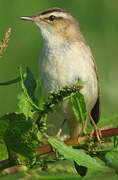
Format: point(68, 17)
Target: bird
point(65, 60)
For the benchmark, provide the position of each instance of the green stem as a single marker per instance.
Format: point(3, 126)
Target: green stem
point(11, 81)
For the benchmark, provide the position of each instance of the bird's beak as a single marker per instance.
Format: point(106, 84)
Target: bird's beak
point(31, 18)
point(28, 18)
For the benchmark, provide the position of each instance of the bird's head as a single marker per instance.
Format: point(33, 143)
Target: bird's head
point(55, 22)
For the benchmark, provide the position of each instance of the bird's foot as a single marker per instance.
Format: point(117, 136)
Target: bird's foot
point(61, 128)
point(65, 136)
point(96, 134)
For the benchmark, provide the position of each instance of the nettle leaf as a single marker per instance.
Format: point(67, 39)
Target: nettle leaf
point(27, 101)
point(39, 94)
point(19, 134)
point(29, 84)
point(76, 155)
point(79, 107)
point(24, 105)
point(112, 158)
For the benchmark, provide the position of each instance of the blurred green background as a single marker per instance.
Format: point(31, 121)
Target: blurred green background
point(99, 23)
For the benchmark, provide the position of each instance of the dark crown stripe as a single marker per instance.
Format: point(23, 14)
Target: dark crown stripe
point(52, 10)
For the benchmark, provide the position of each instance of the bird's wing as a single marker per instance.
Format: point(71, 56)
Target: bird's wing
point(95, 112)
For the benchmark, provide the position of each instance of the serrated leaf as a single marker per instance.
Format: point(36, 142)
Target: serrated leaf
point(112, 158)
point(79, 107)
point(24, 106)
point(19, 134)
point(27, 100)
point(75, 155)
point(30, 83)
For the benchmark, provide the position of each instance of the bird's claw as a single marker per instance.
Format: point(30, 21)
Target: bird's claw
point(96, 134)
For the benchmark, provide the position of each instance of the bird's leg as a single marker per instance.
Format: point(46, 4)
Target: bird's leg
point(58, 135)
point(96, 130)
point(60, 129)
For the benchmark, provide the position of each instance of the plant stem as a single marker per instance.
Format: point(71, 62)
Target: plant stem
point(78, 141)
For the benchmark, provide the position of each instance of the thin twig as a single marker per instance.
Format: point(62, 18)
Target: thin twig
point(78, 141)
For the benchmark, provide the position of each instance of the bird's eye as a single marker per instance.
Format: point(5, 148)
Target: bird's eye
point(52, 18)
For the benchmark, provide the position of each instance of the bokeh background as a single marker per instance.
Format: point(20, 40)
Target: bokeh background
point(99, 24)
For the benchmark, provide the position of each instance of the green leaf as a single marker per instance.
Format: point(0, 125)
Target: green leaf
point(112, 158)
point(61, 174)
point(23, 105)
point(39, 94)
point(27, 101)
point(28, 84)
point(19, 134)
point(79, 107)
point(109, 174)
point(75, 155)
point(3, 150)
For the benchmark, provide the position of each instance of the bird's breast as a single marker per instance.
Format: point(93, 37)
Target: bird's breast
point(59, 68)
